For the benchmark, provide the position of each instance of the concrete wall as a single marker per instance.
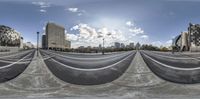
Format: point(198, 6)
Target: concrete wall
point(195, 49)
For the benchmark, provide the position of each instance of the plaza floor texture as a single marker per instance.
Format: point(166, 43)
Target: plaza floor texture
point(138, 82)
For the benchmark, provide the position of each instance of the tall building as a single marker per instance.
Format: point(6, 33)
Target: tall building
point(131, 45)
point(100, 46)
point(189, 40)
point(194, 37)
point(117, 45)
point(122, 45)
point(55, 36)
point(44, 42)
point(137, 46)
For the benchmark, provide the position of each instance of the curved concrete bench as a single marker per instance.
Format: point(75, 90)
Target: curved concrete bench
point(172, 73)
point(92, 76)
point(12, 70)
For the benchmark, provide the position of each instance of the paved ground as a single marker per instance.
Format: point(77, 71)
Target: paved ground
point(92, 70)
point(13, 65)
point(138, 82)
point(184, 69)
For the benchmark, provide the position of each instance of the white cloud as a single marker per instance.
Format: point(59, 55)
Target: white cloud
point(144, 36)
point(42, 5)
point(76, 10)
point(73, 9)
point(129, 23)
point(71, 37)
point(89, 36)
point(86, 35)
point(135, 31)
point(43, 28)
point(164, 43)
point(85, 32)
point(74, 27)
point(157, 43)
point(169, 42)
point(42, 10)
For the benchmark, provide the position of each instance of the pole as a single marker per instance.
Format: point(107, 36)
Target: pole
point(103, 47)
point(37, 44)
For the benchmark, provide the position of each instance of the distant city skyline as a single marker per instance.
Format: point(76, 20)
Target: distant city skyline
point(87, 22)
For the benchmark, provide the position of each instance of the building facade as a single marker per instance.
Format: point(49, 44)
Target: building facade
point(188, 40)
point(55, 36)
point(44, 42)
point(117, 45)
point(122, 45)
point(194, 37)
point(28, 45)
point(9, 37)
point(131, 45)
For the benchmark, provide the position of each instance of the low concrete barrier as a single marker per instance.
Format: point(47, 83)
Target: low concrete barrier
point(12, 70)
point(89, 76)
point(173, 74)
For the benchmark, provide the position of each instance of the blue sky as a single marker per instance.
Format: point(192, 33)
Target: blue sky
point(146, 21)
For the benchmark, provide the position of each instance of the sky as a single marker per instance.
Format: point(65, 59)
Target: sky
point(87, 22)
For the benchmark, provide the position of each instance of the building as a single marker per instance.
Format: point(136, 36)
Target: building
point(10, 39)
point(131, 45)
point(44, 42)
point(100, 46)
point(122, 45)
point(117, 45)
point(188, 40)
point(137, 46)
point(55, 36)
point(21, 43)
point(194, 37)
point(9, 36)
point(68, 44)
point(28, 45)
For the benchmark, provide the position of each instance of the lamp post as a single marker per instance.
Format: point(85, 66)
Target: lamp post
point(38, 44)
point(103, 47)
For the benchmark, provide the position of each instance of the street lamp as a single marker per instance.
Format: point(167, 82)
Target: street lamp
point(38, 44)
point(103, 36)
point(103, 47)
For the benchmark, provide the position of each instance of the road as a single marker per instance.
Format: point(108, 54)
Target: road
point(87, 69)
point(12, 65)
point(178, 67)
